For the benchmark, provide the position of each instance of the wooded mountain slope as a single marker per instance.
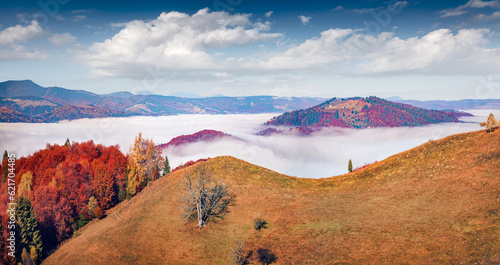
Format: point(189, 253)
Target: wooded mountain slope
point(364, 113)
point(438, 203)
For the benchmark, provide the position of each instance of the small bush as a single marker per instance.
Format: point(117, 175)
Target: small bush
point(265, 256)
point(363, 166)
point(259, 223)
point(82, 221)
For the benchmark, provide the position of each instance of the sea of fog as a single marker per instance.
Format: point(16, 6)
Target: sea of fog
point(324, 154)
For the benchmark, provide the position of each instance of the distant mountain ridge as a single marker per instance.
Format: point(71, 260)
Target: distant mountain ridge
point(49, 104)
point(71, 112)
point(361, 113)
point(8, 115)
point(465, 104)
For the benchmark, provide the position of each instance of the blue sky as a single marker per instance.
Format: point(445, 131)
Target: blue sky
point(412, 49)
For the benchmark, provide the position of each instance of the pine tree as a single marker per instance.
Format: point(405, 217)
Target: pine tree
point(166, 168)
point(67, 143)
point(4, 256)
point(349, 167)
point(27, 226)
point(5, 167)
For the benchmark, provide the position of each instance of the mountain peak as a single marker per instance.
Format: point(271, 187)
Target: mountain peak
point(21, 88)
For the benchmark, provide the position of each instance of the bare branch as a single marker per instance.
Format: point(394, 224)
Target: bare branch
point(206, 200)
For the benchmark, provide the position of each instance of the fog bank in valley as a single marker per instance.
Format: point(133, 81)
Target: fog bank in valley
point(324, 154)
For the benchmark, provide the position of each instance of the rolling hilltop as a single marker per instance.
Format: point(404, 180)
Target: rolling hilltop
point(8, 115)
point(364, 113)
point(435, 204)
point(201, 136)
point(70, 112)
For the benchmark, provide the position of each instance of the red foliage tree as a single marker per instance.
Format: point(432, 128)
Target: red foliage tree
point(54, 215)
point(64, 178)
point(103, 185)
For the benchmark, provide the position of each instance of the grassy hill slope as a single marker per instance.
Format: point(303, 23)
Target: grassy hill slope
point(438, 203)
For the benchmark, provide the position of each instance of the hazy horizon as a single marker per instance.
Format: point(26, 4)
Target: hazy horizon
point(193, 95)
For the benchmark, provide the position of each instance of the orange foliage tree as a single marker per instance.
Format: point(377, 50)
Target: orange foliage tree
point(144, 161)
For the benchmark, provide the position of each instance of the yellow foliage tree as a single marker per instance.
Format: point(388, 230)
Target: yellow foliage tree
point(491, 123)
point(24, 188)
point(143, 163)
point(92, 206)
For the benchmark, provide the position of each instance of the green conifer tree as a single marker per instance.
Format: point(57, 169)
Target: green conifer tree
point(5, 167)
point(28, 232)
point(67, 143)
point(349, 167)
point(166, 168)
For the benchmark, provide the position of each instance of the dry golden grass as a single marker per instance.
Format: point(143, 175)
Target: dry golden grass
point(438, 203)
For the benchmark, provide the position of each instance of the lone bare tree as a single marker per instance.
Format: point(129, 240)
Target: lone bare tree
point(206, 199)
point(239, 256)
point(491, 123)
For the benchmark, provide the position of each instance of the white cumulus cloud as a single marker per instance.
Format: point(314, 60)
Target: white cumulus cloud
point(21, 33)
point(439, 52)
point(174, 41)
point(179, 45)
point(12, 37)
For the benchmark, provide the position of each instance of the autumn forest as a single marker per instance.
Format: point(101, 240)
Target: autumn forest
point(62, 187)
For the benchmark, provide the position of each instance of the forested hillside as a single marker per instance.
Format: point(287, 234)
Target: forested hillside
point(204, 135)
point(63, 187)
point(364, 113)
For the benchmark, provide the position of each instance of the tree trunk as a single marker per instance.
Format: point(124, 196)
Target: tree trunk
point(200, 216)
